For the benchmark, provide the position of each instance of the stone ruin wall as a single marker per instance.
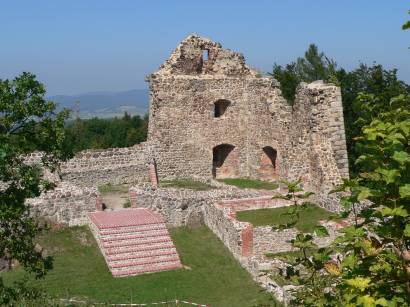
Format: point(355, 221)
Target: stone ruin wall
point(95, 167)
point(76, 193)
point(67, 204)
point(318, 126)
point(309, 138)
point(182, 121)
point(184, 207)
point(183, 93)
point(113, 165)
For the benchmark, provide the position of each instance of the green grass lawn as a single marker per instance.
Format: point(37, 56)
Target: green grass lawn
point(244, 183)
point(113, 188)
point(186, 183)
point(214, 277)
point(309, 217)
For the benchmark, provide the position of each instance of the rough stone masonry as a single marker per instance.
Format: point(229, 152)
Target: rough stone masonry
point(213, 116)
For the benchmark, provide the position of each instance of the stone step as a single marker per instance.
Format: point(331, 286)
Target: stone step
point(137, 242)
point(130, 249)
point(142, 254)
point(132, 236)
point(124, 272)
point(125, 218)
point(134, 241)
point(131, 229)
point(143, 261)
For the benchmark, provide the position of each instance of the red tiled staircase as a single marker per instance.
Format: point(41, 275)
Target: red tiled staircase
point(134, 241)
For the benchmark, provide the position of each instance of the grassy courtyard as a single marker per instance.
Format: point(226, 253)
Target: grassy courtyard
point(212, 276)
point(247, 183)
point(309, 217)
point(186, 183)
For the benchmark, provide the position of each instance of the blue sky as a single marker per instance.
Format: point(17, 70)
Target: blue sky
point(77, 46)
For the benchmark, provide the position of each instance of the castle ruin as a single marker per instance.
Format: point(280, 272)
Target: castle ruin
point(213, 116)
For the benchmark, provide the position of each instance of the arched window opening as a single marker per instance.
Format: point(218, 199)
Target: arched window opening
point(220, 107)
point(221, 164)
point(271, 154)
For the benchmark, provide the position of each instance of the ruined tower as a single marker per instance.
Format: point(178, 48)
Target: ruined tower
point(213, 116)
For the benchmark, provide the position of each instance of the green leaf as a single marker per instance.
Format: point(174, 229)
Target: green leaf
point(401, 157)
point(364, 193)
point(382, 302)
point(321, 231)
point(389, 175)
point(360, 283)
point(366, 301)
point(400, 211)
point(349, 261)
point(404, 190)
point(407, 230)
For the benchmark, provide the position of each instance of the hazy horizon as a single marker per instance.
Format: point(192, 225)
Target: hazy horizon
point(77, 47)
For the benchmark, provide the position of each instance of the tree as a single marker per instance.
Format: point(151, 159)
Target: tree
point(313, 66)
point(27, 122)
point(373, 266)
point(406, 26)
point(376, 267)
point(383, 84)
point(105, 133)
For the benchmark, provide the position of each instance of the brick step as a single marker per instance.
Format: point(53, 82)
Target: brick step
point(124, 272)
point(143, 254)
point(134, 241)
point(131, 229)
point(143, 261)
point(137, 242)
point(132, 236)
point(132, 248)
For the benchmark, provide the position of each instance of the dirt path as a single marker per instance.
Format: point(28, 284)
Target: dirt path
point(114, 200)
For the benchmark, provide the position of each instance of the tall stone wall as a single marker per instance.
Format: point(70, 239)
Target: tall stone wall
point(318, 153)
point(256, 134)
point(182, 121)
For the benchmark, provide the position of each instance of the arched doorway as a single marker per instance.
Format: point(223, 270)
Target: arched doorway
point(268, 164)
point(224, 162)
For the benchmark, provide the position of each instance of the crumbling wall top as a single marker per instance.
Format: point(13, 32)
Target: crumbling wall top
point(196, 56)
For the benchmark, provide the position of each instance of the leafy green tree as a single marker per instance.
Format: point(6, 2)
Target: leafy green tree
point(383, 84)
point(376, 249)
point(311, 269)
point(105, 133)
point(373, 266)
point(27, 123)
point(315, 65)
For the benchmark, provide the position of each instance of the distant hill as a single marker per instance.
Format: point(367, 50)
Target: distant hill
point(105, 104)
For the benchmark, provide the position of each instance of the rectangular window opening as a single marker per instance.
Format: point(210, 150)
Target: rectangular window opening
point(205, 54)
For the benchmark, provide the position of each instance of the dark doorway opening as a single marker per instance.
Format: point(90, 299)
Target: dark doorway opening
point(223, 161)
point(271, 154)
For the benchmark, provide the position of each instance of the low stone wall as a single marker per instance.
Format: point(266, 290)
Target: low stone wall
point(67, 204)
point(238, 236)
point(275, 241)
point(183, 206)
point(112, 165)
point(250, 244)
point(227, 228)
